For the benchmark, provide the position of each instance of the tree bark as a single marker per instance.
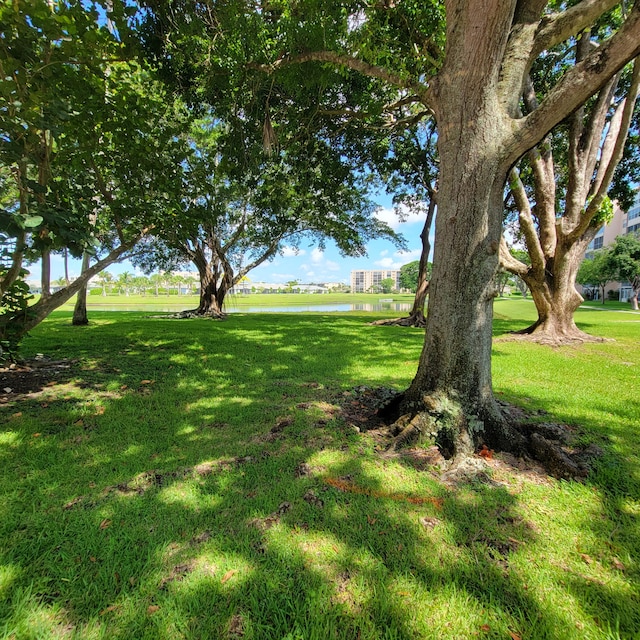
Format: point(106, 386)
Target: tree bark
point(80, 317)
point(556, 298)
point(451, 394)
point(211, 295)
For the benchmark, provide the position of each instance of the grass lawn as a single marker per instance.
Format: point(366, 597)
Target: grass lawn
point(249, 300)
point(194, 479)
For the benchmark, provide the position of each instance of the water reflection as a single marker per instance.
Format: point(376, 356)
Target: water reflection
point(360, 306)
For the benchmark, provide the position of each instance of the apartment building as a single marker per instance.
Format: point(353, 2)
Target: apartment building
point(620, 224)
point(368, 281)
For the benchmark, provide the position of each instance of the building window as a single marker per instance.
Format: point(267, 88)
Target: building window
point(598, 242)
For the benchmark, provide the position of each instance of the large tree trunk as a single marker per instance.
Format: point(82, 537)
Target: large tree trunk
point(556, 298)
point(211, 295)
point(80, 317)
point(451, 396)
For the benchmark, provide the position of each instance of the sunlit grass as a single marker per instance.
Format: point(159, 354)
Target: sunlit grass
point(182, 480)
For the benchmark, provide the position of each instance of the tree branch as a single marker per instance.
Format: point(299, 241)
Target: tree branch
point(579, 83)
point(611, 156)
point(559, 27)
point(526, 222)
point(344, 60)
point(508, 262)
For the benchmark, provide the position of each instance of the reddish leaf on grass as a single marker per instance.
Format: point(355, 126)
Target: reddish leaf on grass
point(586, 558)
point(514, 636)
point(37, 435)
point(485, 627)
point(99, 411)
point(228, 575)
point(18, 414)
point(152, 608)
point(147, 381)
point(485, 452)
point(618, 565)
point(105, 523)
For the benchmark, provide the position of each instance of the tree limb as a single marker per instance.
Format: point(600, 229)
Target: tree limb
point(351, 62)
point(526, 222)
point(579, 83)
point(611, 156)
point(559, 27)
point(508, 262)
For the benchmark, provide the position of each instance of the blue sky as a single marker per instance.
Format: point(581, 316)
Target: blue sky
point(309, 264)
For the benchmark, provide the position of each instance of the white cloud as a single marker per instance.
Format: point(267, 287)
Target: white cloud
point(317, 255)
point(332, 266)
point(384, 253)
point(290, 252)
point(388, 263)
point(389, 216)
point(408, 256)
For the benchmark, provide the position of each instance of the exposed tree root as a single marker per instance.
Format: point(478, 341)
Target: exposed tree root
point(552, 337)
point(441, 421)
point(413, 320)
point(195, 313)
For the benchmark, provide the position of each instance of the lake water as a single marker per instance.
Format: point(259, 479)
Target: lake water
point(168, 308)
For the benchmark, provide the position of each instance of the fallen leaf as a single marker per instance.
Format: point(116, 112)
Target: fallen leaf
point(37, 435)
point(93, 559)
point(514, 636)
point(78, 423)
point(485, 627)
point(123, 387)
point(228, 575)
point(99, 411)
point(152, 608)
point(618, 565)
point(18, 414)
point(44, 405)
point(587, 559)
point(105, 523)
point(147, 381)
point(485, 452)
point(110, 608)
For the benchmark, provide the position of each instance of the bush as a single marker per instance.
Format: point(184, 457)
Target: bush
point(613, 294)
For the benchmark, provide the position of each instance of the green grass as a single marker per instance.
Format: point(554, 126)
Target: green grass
point(158, 443)
point(249, 300)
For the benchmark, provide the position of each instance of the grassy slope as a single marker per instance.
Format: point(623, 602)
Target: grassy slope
point(206, 555)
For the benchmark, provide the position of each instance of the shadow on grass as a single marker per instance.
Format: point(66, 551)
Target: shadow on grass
point(164, 504)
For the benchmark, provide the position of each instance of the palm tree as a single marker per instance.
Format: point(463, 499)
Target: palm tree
point(104, 278)
point(156, 280)
point(124, 281)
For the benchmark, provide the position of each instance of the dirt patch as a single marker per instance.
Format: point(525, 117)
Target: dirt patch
point(362, 407)
point(31, 377)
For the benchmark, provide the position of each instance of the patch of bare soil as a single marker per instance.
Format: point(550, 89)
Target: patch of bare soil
point(33, 376)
